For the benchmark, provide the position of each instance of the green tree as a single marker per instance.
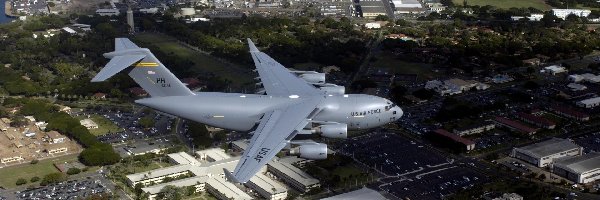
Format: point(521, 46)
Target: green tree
point(170, 192)
point(73, 170)
point(34, 161)
point(147, 122)
point(53, 178)
point(21, 181)
point(34, 179)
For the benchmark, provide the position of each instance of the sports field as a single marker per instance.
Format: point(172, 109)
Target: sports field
point(239, 75)
point(10, 175)
point(539, 4)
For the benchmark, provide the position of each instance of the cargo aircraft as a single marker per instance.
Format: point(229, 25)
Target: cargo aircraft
point(291, 103)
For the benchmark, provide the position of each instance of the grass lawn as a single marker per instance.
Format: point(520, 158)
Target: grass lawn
point(9, 175)
point(387, 60)
point(203, 63)
point(104, 125)
point(539, 4)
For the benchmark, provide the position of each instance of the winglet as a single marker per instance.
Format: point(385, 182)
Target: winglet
point(230, 176)
point(252, 46)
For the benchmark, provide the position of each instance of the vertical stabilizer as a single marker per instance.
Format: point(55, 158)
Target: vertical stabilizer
point(146, 70)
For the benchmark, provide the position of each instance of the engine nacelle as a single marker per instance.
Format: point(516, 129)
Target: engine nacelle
point(334, 89)
point(313, 77)
point(316, 151)
point(333, 130)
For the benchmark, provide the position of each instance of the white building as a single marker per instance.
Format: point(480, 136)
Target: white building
point(199, 182)
point(88, 123)
point(225, 190)
point(554, 69)
point(436, 7)
point(267, 188)
point(542, 154)
point(576, 87)
point(532, 17)
point(373, 25)
point(581, 169)
point(454, 86)
point(212, 155)
point(293, 176)
point(10, 157)
point(182, 158)
point(563, 13)
point(589, 103)
point(108, 12)
point(407, 4)
point(148, 10)
point(587, 77)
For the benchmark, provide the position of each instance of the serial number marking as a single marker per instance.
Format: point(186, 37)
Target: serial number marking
point(261, 153)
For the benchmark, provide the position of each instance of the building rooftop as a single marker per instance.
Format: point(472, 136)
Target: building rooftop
point(158, 172)
point(267, 184)
point(183, 158)
point(580, 164)
point(548, 147)
point(242, 144)
point(454, 137)
point(294, 173)
point(536, 119)
point(155, 189)
point(228, 189)
point(474, 126)
point(569, 111)
point(590, 101)
point(54, 135)
point(516, 125)
point(364, 193)
point(214, 153)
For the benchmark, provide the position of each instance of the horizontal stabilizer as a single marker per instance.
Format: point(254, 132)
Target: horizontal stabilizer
point(252, 46)
point(115, 65)
point(124, 43)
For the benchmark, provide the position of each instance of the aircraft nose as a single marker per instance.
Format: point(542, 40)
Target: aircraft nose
point(398, 112)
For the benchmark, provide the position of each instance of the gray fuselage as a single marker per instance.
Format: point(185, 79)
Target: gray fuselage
point(241, 112)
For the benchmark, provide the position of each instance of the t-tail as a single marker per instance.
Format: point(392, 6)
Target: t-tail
point(145, 69)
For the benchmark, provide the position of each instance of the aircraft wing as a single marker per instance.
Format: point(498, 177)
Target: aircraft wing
point(278, 80)
point(274, 131)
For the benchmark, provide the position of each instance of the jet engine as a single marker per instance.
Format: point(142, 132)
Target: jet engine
point(315, 151)
point(333, 130)
point(333, 89)
point(313, 77)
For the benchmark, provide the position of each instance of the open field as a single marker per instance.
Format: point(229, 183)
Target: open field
point(104, 125)
point(386, 60)
point(239, 75)
point(9, 175)
point(539, 4)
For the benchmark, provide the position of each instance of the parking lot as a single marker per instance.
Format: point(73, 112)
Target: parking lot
point(589, 142)
point(392, 154)
point(410, 168)
point(73, 189)
point(435, 185)
point(132, 128)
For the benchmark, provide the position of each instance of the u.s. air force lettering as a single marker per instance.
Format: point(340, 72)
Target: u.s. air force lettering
point(368, 112)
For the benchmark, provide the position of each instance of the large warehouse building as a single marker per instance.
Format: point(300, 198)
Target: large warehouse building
point(581, 169)
point(541, 154)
